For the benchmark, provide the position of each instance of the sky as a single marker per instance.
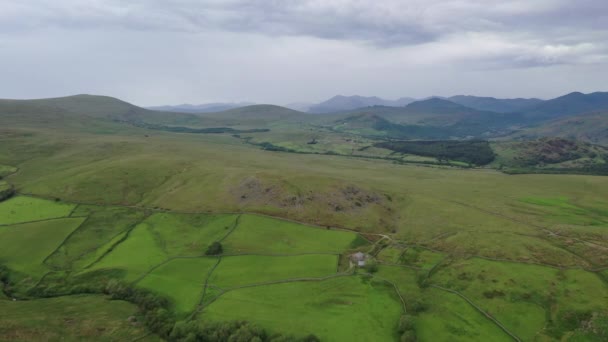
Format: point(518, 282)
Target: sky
point(155, 52)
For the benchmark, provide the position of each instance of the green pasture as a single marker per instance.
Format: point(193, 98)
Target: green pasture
point(234, 271)
point(258, 234)
point(390, 254)
point(6, 170)
point(89, 259)
point(420, 258)
point(560, 209)
point(73, 318)
point(450, 318)
point(406, 280)
point(523, 296)
point(136, 255)
point(339, 309)
point(181, 280)
point(26, 209)
point(188, 234)
point(517, 247)
point(101, 226)
point(24, 247)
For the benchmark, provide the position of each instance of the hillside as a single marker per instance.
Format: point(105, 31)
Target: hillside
point(201, 108)
point(83, 110)
point(551, 154)
point(341, 103)
point(589, 127)
point(493, 104)
point(570, 104)
point(373, 124)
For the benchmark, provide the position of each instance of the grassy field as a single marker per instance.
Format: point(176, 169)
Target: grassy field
point(24, 247)
point(339, 309)
point(76, 318)
point(257, 234)
point(236, 271)
point(26, 209)
point(450, 318)
point(139, 253)
point(188, 235)
point(102, 224)
point(181, 280)
point(153, 195)
point(529, 299)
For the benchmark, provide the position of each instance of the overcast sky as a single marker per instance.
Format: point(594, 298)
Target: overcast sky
point(153, 52)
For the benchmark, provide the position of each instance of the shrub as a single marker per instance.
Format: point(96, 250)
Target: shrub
point(214, 249)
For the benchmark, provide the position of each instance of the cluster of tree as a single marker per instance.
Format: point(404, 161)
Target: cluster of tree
point(155, 308)
point(593, 169)
point(407, 331)
point(7, 193)
point(476, 152)
point(235, 331)
point(214, 249)
point(399, 131)
point(272, 147)
point(211, 130)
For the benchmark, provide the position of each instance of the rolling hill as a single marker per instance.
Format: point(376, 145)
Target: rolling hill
point(591, 127)
point(493, 104)
point(567, 105)
point(201, 108)
point(78, 110)
point(341, 103)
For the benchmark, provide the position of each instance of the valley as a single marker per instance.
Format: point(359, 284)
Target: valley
point(174, 234)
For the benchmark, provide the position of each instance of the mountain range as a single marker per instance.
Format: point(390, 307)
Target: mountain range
point(575, 115)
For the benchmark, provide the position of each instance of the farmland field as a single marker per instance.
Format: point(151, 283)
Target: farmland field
point(182, 280)
point(236, 271)
point(261, 234)
point(201, 231)
point(74, 318)
point(24, 247)
point(26, 209)
point(333, 309)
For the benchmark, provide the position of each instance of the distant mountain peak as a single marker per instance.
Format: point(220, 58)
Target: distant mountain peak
point(339, 103)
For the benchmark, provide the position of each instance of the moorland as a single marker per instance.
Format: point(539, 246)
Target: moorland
point(479, 219)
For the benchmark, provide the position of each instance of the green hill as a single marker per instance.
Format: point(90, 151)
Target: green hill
point(590, 127)
point(83, 110)
point(493, 104)
point(570, 104)
point(552, 154)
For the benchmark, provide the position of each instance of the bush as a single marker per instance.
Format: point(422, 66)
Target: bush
point(476, 152)
point(406, 323)
point(214, 249)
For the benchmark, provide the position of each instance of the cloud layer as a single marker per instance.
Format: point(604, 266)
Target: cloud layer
point(333, 39)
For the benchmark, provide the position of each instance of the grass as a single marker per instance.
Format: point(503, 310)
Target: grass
point(74, 318)
point(421, 258)
point(181, 280)
point(136, 255)
point(187, 234)
point(165, 235)
point(257, 234)
point(26, 209)
point(6, 170)
point(254, 269)
point(460, 213)
point(340, 309)
point(524, 297)
point(102, 225)
point(23, 247)
point(450, 318)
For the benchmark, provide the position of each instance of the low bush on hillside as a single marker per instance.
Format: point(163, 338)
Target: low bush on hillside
point(214, 249)
point(476, 152)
